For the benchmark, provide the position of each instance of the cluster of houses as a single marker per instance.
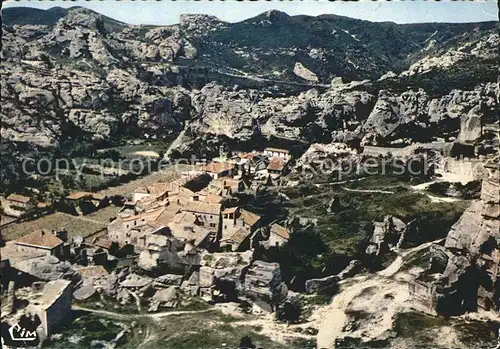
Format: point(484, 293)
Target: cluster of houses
point(259, 166)
point(160, 220)
point(209, 218)
point(164, 224)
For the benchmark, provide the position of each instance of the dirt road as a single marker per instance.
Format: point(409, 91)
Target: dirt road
point(154, 316)
point(380, 294)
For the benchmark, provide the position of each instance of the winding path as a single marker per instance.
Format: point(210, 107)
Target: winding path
point(154, 316)
point(333, 318)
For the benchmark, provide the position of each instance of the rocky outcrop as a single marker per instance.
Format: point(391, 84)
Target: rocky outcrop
point(164, 298)
point(329, 284)
point(464, 274)
point(89, 76)
point(263, 285)
point(220, 276)
point(389, 233)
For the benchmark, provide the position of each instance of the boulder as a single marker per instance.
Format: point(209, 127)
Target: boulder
point(263, 285)
point(167, 297)
point(322, 285)
point(470, 127)
point(85, 291)
point(168, 280)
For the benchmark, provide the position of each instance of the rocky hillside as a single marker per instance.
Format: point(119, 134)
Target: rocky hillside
point(72, 74)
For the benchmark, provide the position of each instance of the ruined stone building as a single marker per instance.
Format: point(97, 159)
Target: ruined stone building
point(48, 304)
point(278, 235)
point(263, 285)
point(464, 273)
point(238, 227)
point(41, 241)
point(82, 203)
point(129, 230)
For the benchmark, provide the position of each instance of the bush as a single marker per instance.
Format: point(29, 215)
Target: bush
point(439, 188)
point(290, 310)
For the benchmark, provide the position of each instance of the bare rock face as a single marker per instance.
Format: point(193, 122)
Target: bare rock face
point(88, 75)
point(470, 126)
point(329, 284)
point(466, 270)
point(52, 269)
point(393, 115)
point(321, 285)
point(220, 275)
point(263, 285)
point(164, 298)
point(300, 70)
point(386, 234)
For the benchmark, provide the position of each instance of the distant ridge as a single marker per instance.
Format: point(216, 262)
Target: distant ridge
point(30, 15)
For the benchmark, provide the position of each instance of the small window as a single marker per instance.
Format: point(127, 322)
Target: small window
point(212, 225)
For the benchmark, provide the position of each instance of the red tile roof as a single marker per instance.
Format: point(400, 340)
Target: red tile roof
point(218, 167)
point(40, 238)
point(213, 199)
point(18, 198)
point(230, 210)
point(276, 164)
point(249, 218)
point(280, 231)
point(239, 236)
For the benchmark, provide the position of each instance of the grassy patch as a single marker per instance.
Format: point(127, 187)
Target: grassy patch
point(478, 334)
point(86, 328)
point(319, 299)
point(408, 324)
point(349, 222)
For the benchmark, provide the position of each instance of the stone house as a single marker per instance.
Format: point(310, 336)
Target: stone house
point(225, 186)
point(17, 205)
point(277, 152)
point(276, 167)
point(129, 230)
point(255, 164)
point(41, 241)
point(423, 290)
point(239, 217)
point(49, 303)
point(238, 227)
point(207, 215)
point(157, 191)
point(219, 169)
point(238, 239)
point(186, 226)
point(278, 235)
point(55, 307)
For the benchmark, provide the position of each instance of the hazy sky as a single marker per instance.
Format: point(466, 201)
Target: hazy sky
point(167, 12)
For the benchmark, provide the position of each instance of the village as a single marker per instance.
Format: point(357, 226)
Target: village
point(166, 242)
point(187, 238)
